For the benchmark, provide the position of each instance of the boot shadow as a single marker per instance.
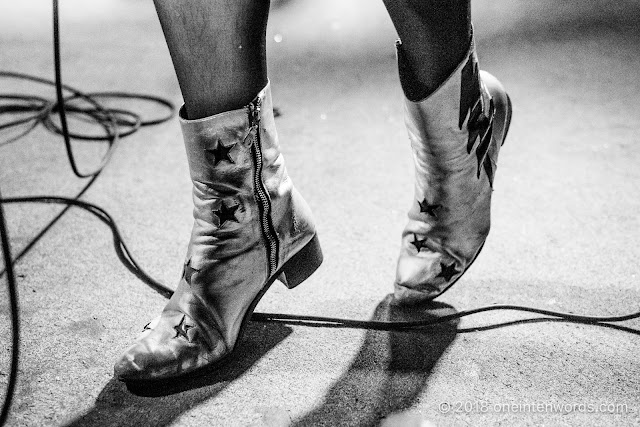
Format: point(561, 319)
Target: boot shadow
point(159, 404)
point(390, 371)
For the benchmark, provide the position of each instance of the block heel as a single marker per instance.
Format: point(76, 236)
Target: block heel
point(302, 265)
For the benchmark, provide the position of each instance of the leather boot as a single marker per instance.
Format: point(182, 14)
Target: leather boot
point(456, 134)
point(251, 226)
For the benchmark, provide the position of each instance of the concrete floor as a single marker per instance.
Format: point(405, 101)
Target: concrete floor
point(565, 227)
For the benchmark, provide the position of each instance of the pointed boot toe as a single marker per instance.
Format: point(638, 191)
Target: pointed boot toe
point(125, 368)
point(171, 347)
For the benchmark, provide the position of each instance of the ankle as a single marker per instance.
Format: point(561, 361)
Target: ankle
point(422, 74)
point(224, 97)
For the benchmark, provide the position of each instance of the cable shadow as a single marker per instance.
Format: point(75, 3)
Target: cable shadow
point(390, 371)
point(152, 405)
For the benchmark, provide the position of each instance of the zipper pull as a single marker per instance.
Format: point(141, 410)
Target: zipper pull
point(254, 120)
point(254, 113)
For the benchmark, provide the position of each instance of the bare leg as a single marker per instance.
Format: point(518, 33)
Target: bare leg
point(435, 37)
point(218, 51)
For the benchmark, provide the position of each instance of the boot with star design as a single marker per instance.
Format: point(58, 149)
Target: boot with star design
point(456, 133)
point(251, 226)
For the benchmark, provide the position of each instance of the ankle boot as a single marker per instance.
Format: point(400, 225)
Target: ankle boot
point(456, 134)
point(251, 226)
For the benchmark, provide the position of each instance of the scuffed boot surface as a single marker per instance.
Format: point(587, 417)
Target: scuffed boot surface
point(456, 134)
point(250, 226)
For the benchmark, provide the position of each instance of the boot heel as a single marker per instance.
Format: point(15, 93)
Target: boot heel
point(302, 265)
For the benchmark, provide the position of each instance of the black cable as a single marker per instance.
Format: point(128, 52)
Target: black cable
point(15, 317)
point(295, 318)
point(401, 325)
point(35, 110)
point(121, 248)
point(110, 126)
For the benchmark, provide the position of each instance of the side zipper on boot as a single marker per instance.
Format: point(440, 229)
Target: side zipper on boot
point(260, 192)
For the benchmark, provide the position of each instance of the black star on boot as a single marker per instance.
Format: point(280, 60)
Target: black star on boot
point(419, 244)
point(429, 209)
point(225, 214)
point(182, 328)
point(448, 271)
point(189, 272)
point(221, 153)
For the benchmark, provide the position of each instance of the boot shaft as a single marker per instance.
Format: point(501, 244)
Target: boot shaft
point(219, 147)
point(242, 194)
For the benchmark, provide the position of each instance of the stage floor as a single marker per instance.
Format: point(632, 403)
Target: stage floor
point(565, 226)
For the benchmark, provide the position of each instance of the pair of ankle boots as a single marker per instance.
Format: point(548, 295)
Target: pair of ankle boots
point(251, 226)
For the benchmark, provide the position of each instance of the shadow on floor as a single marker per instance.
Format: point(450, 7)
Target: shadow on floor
point(118, 405)
point(388, 374)
point(390, 371)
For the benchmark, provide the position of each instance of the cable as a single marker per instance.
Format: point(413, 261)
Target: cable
point(119, 123)
point(121, 248)
point(402, 325)
point(15, 317)
point(35, 110)
point(129, 261)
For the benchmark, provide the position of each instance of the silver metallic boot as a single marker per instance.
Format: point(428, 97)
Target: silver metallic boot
point(251, 226)
point(456, 134)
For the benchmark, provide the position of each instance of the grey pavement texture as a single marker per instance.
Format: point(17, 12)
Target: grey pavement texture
point(564, 235)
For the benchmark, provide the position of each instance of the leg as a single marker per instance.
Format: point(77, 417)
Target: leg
point(457, 118)
point(435, 37)
point(218, 51)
